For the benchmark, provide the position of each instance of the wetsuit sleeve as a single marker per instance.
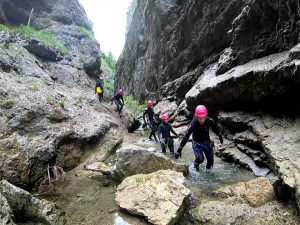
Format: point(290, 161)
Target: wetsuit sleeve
point(173, 131)
point(216, 130)
point(113, 98)
point(122, 99)
point(144, 114)
point(187, 136)
point(101, 85)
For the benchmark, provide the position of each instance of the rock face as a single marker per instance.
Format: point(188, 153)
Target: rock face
point(168, 39)
point(229, 55)
point(133, 160)
point(161, 196)
point(47, 113)
point(279, 137)
point(22, 206)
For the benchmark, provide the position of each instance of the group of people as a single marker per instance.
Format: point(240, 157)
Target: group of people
point(117, 98)
point(199, 128)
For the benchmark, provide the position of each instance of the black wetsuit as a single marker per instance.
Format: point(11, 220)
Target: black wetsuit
point(201, 141)
point(164, 136)
point(99, 83)
point(150, 113)
point(119, 101)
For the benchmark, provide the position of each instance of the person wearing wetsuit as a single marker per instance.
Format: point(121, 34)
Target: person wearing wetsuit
point(151, 121)
point(99, 84)
point(119, 101)
point(164, 134)
point(200, 126)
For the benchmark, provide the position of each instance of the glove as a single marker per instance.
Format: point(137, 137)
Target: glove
point(178, 153)
point(221, 139)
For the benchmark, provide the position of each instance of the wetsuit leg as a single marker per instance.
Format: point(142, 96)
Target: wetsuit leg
point(163, 147)
point(171, 145)
point(100, 97)
point(152, 127)
point(198, 151)
point(209, 154)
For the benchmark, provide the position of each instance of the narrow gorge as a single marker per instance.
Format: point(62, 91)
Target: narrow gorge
point(67, 159)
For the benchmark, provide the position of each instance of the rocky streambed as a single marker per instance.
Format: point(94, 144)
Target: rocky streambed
point(138, 185)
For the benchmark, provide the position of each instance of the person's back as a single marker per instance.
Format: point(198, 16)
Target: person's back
point(99, 89)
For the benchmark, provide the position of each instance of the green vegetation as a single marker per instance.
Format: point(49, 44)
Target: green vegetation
point(79, 99)
point(7, 103)
point(108, 62)
point(44, 36)
point(62, 102)
point(35, 85)
point(87, 32)
point(50, 99)
point(134, 105)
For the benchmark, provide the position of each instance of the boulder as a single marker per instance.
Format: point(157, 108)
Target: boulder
point(25, 207)
point(43, 51)
point(255, 192)
point(165, 106)
point(161, 196)
point(6, 214)
point(133, 160)
point(100, 167)
point(233, 212)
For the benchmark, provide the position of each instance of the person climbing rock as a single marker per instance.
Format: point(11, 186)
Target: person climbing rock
point(99, 87)
point(201, 142)
point(119, 101)
point(149, 113)
point(164, 134)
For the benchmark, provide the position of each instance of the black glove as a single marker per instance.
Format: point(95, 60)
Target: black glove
point(221, 139)
point(178, 153)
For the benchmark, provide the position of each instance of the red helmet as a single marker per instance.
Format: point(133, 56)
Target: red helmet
point(120, 91)
point(201, 111)
point(150, 103)
point(165, 117)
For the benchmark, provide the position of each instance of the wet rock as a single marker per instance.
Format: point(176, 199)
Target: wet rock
point(161, 196)
point(231, 153)
point(279, 137)
point(256, 192)
point(233, 211)
point(226, 61)
point(6, 214)
point(94, 175)
point(43, 51)
point(130, 121)
point(100, 167)
point(25, 207)
point(135, 160)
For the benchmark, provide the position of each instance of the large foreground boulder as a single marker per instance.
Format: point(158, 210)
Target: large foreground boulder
point(25, 207)
point(161, 196)
point(133, 160)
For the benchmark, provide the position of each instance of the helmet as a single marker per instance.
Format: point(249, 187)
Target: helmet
point(150, 103)
point(165, 117)
point(201, 111)
point(120, 91)
point(101, 78)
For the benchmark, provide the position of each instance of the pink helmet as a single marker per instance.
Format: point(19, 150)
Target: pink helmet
point(201, 111)
point(101, 78)
point(150, 103)
point(165, 117)
point(120, 91)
